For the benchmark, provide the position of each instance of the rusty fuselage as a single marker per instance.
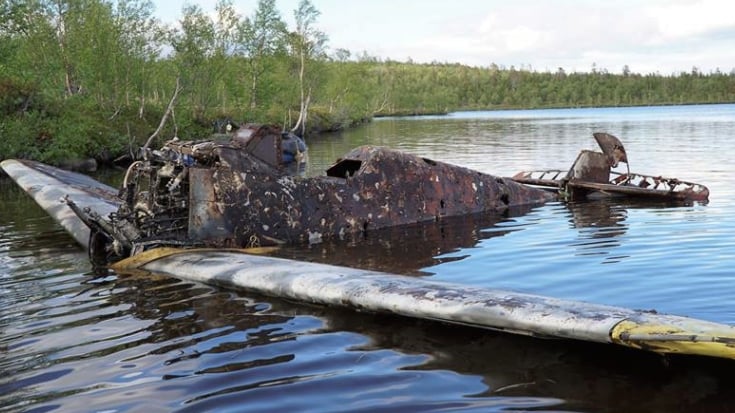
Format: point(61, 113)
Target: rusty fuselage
point(241, 200)
point(239, 193)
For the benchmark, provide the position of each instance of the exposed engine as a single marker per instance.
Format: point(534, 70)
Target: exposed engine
point(156, 190)
point(245, 191)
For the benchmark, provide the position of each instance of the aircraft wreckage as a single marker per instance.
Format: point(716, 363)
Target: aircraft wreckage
point(237, 193)
point(242, 193)
point(591, 176)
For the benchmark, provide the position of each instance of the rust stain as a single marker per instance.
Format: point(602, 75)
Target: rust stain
point(591, 174)
point(242, 193)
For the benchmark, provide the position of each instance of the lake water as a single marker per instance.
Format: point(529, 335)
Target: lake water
point(75, 340)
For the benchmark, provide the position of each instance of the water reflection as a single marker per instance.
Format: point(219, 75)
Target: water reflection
point(407, 249)
point(242, 349)
point(601, 223)
point(567, 375)
point(73, 341)
point(604, 217)
point(108, 333)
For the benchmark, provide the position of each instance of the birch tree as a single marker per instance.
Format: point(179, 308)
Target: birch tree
point(262, 38)
point(307, 45)
point(194, 45)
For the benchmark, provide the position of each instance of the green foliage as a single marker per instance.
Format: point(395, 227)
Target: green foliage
point(437, 88)
point(22, 137)
point(92, 78)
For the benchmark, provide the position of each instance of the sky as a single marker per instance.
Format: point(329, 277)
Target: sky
point(649, 36)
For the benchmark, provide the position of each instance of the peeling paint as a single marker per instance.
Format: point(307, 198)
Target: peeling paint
point(232, 193)
point(340, 286)
point(591, 176)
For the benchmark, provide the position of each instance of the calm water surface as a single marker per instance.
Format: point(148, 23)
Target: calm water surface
point(75, 340)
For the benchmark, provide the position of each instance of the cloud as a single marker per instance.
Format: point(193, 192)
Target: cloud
point(513, 34)
point(501, 38)
point(666, 36)
point(676, 20)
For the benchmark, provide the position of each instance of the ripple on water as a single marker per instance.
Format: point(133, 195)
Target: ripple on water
point(615, 254)
point(72, 340)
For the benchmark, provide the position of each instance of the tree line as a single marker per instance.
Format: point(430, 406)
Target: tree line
point(93, 78)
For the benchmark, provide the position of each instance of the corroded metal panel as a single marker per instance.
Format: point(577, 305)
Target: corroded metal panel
point(590, 167)
point(206, 220)
point(611, 147)
point(239, 193)
point(378, 188)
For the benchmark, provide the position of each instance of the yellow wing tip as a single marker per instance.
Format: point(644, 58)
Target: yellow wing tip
point(140, 259)
point(676, 335)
